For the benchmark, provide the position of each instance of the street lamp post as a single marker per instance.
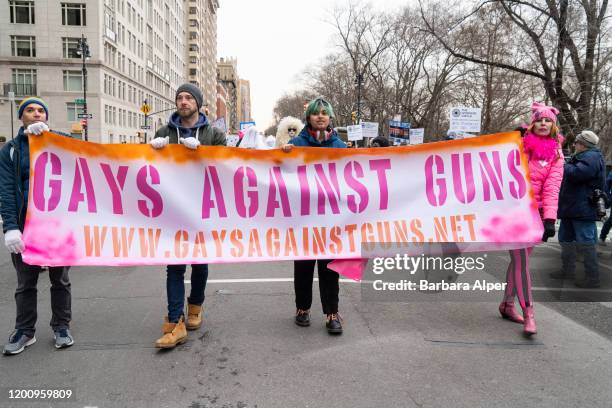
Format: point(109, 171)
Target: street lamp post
point(11, 96)
point(359, 82)
point(83, 52)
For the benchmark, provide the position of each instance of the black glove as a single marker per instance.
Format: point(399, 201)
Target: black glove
point(549, 230)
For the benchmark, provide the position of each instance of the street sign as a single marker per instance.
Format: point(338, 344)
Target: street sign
point(145, 127)
point(85, 115)
point(145, 108)
point(11, 96)
point(465, 119)
point(79, 101)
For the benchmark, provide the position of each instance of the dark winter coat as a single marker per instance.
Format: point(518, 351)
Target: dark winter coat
point(15, 181)
point(208, 135)
point(584, 173)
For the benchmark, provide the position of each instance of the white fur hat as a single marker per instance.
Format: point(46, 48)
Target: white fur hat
point(282, 134)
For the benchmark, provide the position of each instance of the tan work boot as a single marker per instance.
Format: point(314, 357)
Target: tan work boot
point(194, 317)
point(174, 333)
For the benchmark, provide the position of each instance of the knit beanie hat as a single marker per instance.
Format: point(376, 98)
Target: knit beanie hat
point(587, 138)
point(194, 91)
point(539, 111)
point(30, 100)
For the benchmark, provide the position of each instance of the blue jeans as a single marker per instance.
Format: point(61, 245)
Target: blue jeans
point(175, 288)
point(581, 232)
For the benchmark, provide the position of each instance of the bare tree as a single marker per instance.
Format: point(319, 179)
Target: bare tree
point(291, 104)
point(556, 45)
point(364, 36)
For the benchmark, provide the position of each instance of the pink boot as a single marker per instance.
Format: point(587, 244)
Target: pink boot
point(530, 324)
point(507, 311)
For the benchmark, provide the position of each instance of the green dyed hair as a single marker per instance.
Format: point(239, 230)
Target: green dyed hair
point(317, 105)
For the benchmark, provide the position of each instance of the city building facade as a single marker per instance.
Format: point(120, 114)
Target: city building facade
point(137, 52)
point(244, 101)
point(202, 50)
point(227, 77)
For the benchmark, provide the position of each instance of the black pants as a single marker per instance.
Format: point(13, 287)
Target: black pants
point(26, 296)
point(328, 285)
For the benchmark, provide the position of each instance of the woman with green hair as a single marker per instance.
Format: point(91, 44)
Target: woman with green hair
point(317, 133)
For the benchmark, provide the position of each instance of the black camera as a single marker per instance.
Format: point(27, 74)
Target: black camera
point(598, 199)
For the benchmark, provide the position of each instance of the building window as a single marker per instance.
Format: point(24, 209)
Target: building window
point(73, 14)
point(72, 110)
point(21, 12)
point(23, 46)
point(73, 81)
point(69, 47)
point(24, 81)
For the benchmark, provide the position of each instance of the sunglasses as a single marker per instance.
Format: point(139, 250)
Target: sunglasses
point(292, 130)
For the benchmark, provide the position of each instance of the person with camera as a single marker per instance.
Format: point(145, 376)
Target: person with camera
point(581, 203)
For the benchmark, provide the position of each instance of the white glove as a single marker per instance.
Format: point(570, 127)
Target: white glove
point(13, 241)
point(190, 142)
point(36, 128)
point(160, 142)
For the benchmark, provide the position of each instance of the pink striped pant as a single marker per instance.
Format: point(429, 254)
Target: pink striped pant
point(518, 277)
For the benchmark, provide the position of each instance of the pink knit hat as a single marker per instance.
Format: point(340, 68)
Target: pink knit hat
point(539, 111)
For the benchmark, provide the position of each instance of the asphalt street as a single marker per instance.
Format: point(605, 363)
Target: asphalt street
point(249, 353)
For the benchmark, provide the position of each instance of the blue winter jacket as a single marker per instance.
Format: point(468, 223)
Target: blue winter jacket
point(582, 174)
point(305, 139)
point(15, 181)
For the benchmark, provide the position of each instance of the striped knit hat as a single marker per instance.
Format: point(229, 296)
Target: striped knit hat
point(30, 100)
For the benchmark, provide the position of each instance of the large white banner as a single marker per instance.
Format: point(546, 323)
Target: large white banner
point(92, 204)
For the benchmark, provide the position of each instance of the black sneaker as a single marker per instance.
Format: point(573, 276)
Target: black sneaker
point(334, 323)
point(586, 284)
point(302, 317)
point(561, 275)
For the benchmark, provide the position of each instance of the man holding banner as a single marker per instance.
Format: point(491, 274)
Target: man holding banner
point(14, 189)
point(189, 127)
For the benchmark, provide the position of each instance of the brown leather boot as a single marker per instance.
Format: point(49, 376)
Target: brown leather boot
point(194, 317)
point(174, 333)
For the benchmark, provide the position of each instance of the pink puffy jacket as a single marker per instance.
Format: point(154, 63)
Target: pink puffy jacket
point(546, 175)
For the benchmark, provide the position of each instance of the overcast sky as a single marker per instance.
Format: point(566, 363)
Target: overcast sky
point(274, 40)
